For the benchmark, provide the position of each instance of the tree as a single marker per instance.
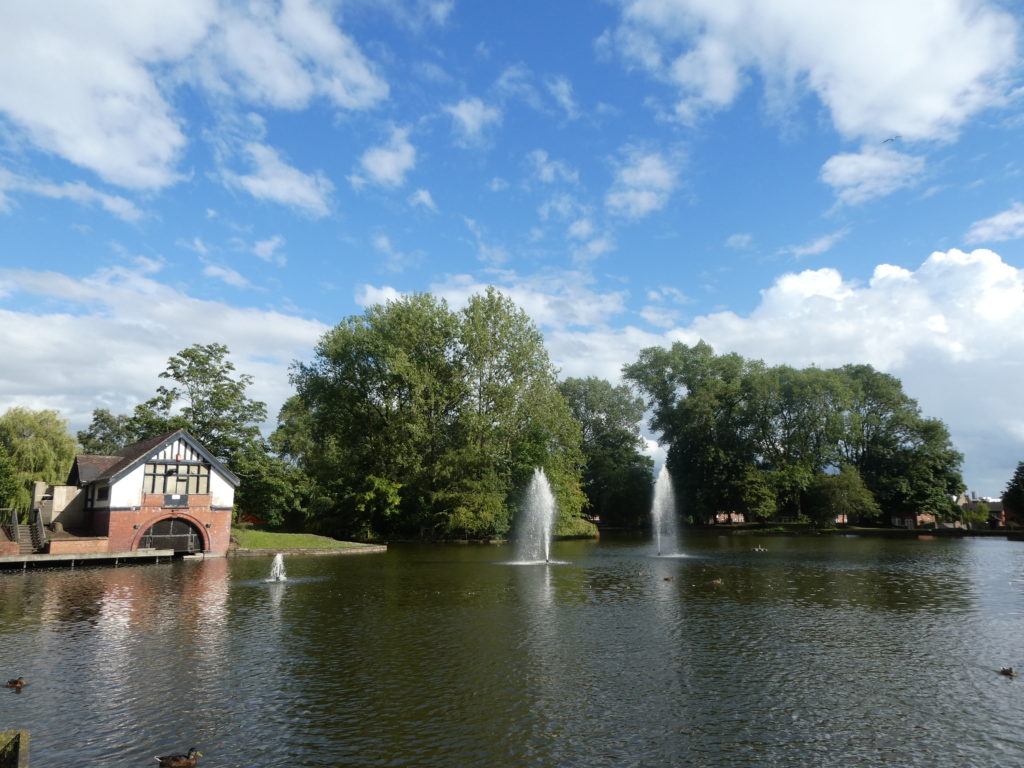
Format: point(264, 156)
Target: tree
point(1013, 496)
point(741, 434)
point(617, 478)
point(842, 494)
point(416, 420)
point(107, 434)
point(38, 446)
point(8, 480)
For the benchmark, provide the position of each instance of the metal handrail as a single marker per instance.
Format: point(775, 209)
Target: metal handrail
point(38, 530)
point(12, 525)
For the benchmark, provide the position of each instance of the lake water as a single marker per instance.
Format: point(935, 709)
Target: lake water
point(826, 651)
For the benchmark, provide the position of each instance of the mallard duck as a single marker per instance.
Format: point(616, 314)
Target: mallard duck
point(180, 761)
point(1008, 671)
point(18, 683)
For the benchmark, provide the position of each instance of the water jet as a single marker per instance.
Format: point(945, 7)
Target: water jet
point(663, 513)
point(536, 522)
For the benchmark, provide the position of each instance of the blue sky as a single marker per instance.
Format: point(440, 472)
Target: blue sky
point(798, 181)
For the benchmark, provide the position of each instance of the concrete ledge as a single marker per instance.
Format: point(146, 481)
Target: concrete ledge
point(364, 549)
point(85, 557)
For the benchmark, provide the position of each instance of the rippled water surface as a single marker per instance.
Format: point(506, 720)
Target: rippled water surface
point(817, 652)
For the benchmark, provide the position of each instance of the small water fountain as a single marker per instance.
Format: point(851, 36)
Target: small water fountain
point(663, 514)
point(536, 522)
point(277, 569)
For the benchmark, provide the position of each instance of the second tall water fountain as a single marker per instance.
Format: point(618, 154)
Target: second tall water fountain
point(663, 515)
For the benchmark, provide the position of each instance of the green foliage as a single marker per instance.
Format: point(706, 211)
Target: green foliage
point(450, 410)
point(38, 447)
point(1013, 496)
point(617, 478)
point(8, 479)
point(975, 514)
point(107, 434)
point(843, 493)
point(746, 437)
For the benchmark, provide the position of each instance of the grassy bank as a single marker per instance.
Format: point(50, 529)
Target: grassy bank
point(248, 538)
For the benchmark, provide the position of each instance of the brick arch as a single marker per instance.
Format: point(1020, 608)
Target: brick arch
point(204, 535)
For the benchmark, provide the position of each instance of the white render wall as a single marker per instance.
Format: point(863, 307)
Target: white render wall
point(223, 492)
point(126, 492)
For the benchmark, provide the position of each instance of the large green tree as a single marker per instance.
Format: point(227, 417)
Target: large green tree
point(743, 436)
point(1013, 496)
point(418, 420)
point(207, 397)
point(38, 446)
point(8, 480)
point(618, 477)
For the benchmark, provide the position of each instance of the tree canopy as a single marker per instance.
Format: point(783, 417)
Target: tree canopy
point(743, 436)
point(38, 447)
point(618, 477)
point(414, 419)
point(1013, 496)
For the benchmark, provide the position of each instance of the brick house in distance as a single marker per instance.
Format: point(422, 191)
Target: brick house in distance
point(167, 492)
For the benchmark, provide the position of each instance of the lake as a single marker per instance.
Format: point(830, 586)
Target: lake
point(820, 651)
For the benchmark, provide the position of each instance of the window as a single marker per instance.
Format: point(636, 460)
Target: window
point(176, 477)
point(103, 493)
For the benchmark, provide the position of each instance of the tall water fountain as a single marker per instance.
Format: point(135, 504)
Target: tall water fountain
point(536, 521)
point(277, 569)
point(663, 514)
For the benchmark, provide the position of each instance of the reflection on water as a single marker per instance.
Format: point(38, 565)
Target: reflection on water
point(818, 651)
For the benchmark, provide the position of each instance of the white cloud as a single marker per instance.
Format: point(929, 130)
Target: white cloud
point(472, 118)
point(226, 275)
point(644, 180)
point(816, 247)
point(93, 82)
point(267, 250)
point(561, 90)
point(740, 241)
point(880, 67)
point(423, 198)
point(134, 321)
point(1008, 225)
point(549, 171)
point(394, 259)
point(368, 295)
point(515, 82)
point(874, 172)
point(388, 164)
point(278, 182)
point(77, 191)
point(488, 252)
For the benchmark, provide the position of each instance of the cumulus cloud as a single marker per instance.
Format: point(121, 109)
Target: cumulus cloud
point(274, 180)
point(92, 82)
point(739, 241)
point(394, 259)
point(135, 321)
point(880, 67)
point(873, 172)
point(387, 165)
point(472, 117)
point(644, 180)
point(1007, 225)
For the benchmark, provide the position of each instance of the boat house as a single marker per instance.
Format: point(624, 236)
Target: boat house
point(167, 492)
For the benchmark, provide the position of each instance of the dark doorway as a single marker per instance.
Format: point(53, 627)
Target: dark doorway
point(173, 533)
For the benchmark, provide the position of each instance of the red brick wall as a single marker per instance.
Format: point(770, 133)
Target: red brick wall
point(126, 527)
point(77, 545)
point(8, 547)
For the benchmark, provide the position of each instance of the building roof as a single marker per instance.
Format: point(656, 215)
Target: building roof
point(89, 469)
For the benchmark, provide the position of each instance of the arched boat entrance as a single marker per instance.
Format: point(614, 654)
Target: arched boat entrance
point(173, 533)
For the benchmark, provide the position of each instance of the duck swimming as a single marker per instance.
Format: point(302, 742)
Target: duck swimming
point(180, 761)
point(1008, 671)
point(18, 683)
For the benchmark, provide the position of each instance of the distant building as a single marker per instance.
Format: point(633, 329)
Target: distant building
point(167, 492)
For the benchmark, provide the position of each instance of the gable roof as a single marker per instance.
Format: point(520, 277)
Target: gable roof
point(113, 468)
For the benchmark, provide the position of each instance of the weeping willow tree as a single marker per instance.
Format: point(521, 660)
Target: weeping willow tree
point(37, 447)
